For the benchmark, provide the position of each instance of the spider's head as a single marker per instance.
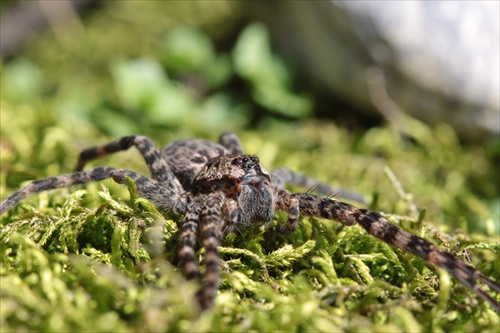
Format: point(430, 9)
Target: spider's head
point(244, 179)
point(230, 172)
point(249, 169)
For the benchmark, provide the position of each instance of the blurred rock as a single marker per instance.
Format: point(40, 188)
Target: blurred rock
point(440, 59)
point(24, 20)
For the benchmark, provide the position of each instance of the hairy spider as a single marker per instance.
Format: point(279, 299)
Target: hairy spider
point(217, 188)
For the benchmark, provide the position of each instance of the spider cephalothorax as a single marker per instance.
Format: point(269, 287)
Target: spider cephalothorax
point(243, 180)
point(217, 188)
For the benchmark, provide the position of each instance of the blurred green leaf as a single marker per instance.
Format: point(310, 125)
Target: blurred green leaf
point(138, 82)
point(267, 74)
point(21, 80)
point(172, 106)
point(218, 72)
point(187, 49)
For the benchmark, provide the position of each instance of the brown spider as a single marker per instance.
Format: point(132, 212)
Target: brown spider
point(217, 188)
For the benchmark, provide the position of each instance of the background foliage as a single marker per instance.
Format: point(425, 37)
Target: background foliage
point(99, 258)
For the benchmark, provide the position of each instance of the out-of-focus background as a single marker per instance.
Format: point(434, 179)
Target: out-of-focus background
point(349, 92)
point(437, 61)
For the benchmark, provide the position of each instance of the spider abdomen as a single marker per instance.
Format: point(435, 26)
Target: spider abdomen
point(187, 158)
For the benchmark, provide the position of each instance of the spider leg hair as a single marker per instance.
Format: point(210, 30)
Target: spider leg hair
point(50, 183)
point(164, 198)
point(231, 142)
point(378, 226)
point(206, 216)
point(230, 215)
point(283, 176)
point(211, 224)
point(157, 165)
point(287, 202)
point(187, 244)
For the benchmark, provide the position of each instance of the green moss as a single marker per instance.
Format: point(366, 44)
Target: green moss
point(99, 258)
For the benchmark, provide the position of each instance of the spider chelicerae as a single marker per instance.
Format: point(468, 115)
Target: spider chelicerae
point(217, 188)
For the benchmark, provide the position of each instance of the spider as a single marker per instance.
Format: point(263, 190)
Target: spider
point(217, 189)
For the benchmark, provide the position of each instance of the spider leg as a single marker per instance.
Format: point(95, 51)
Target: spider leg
point(187, 244)
point(287, 202)
point(204, 217)
point(230, 215)
point(158, 193)
point(378, 226)
point(50, 183)
point(158, 167)
point(230, 141)
point(210, 236)
point(283, 176)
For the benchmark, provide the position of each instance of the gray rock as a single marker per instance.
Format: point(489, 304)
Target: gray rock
point(440, 59)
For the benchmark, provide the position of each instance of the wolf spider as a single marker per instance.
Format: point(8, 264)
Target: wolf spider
point(217, 188)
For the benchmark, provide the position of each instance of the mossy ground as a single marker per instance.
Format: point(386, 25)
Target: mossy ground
point(98, 258)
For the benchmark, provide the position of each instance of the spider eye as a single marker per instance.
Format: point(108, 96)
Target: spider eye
point(235, 161)
point(254, 159)
point(245, 160)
